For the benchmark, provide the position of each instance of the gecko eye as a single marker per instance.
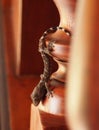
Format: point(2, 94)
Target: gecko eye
point(36, 101)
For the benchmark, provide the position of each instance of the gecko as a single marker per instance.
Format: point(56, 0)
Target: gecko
point(42, 88)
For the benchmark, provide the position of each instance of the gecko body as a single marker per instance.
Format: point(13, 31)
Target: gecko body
point(42, 88)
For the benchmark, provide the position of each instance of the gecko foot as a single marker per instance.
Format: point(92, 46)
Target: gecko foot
point(49, 92)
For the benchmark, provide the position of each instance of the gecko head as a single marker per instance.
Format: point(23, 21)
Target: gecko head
point(38, 93)
point(35, 99)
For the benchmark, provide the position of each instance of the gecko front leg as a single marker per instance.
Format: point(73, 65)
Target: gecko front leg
point(49, 92)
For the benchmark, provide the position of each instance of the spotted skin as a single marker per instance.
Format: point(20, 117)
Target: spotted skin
point(42, 88)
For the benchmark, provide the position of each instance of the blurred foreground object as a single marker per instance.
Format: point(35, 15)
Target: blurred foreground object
point(83, 80)
point(4, 106)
